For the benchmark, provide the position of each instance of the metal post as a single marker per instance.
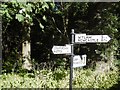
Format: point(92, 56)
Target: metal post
point(71, 62)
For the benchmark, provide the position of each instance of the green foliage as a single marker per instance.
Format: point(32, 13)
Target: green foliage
point(17, 22)
point(60, 79)
point(89, 79)
point(19, 17)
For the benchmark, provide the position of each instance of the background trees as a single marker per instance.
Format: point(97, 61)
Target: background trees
point(42, 25)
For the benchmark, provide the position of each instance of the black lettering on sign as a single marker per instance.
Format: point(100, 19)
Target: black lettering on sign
point(83, 59)
point(81, 38)
point(88, 38)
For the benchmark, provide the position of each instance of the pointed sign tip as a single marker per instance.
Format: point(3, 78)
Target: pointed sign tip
point(108, 38)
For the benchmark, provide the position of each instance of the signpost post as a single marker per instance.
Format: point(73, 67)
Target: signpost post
point(76, 60)
point(71, 61)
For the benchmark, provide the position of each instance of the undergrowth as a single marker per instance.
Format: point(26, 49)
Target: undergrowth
point(59, 78)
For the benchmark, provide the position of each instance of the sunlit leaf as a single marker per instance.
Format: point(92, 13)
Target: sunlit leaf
point(29, 9)
point(41, 26)
point(44, 18)
point(45, 5)
point(19, 17)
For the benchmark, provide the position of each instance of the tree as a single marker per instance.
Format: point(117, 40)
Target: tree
point(19, 16)
point(46, 24)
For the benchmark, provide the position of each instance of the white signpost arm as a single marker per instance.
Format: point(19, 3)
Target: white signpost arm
point(83, 38)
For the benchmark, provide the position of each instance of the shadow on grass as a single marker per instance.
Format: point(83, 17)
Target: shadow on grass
point(115, 87)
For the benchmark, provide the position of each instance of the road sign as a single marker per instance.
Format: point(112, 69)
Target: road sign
point(62, 49)
point(78, 61)
point(83, 38)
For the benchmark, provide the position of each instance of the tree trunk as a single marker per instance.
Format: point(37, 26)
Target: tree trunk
point(26, 52)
